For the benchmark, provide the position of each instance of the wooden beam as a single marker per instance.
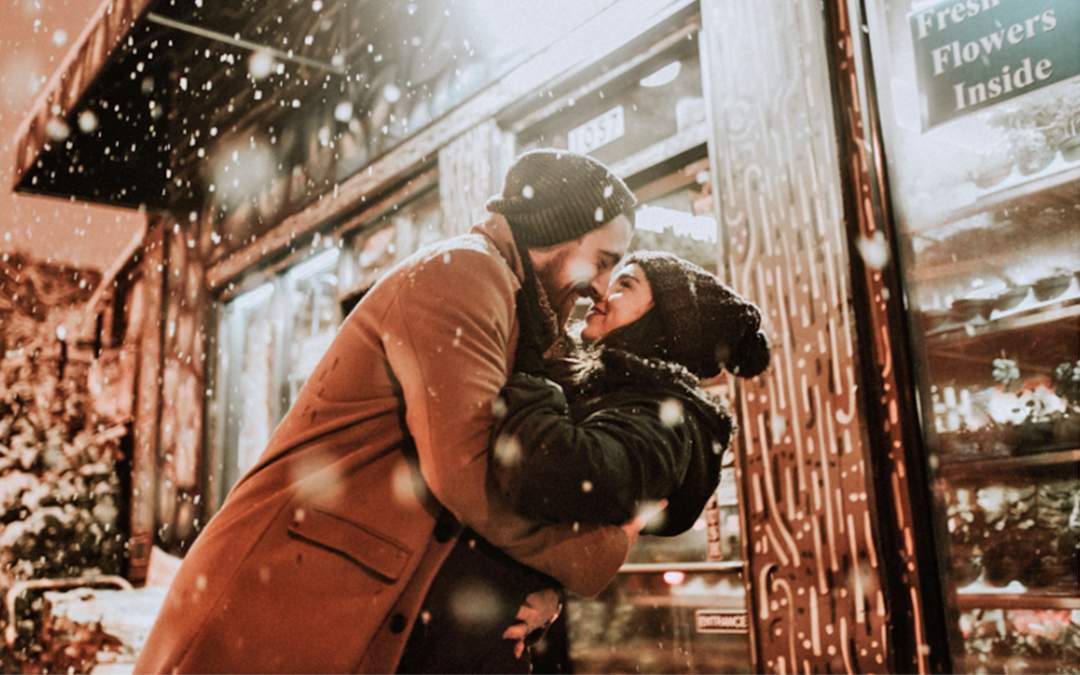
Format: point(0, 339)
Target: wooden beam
point(147, 401)
point(232, 41)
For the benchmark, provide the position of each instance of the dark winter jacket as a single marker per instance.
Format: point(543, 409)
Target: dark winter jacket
point(633, 430)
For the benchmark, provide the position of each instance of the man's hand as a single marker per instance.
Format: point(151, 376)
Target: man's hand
point(633, 527)
point(539, 611)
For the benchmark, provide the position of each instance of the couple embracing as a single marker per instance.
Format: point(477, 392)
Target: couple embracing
point(456, 461)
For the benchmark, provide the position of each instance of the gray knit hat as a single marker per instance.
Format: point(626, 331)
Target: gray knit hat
point(707, 325)
point(551, 196)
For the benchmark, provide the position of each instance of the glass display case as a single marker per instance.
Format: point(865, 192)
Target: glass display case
point(987, 200)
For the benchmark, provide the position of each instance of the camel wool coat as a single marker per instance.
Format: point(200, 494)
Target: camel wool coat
point(321, 555)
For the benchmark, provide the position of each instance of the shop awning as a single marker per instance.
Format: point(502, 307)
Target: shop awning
point(175, 104)
point(52, 122)
point(149, 84)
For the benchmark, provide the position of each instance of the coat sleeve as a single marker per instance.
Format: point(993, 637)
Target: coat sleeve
point(447, 338)
point(594, 470)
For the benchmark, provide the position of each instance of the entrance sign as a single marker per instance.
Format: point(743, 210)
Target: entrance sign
point(597, 132)
point(720, 621)
point(971, 54)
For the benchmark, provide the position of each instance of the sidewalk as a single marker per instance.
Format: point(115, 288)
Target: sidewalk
point(126, 615)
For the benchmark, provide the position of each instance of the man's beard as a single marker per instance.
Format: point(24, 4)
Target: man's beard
point(562, 298)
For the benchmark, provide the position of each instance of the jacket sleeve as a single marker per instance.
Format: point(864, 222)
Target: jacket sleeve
point(448, 339)
point(594, 470)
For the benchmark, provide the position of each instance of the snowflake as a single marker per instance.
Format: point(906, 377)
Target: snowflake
point(671, 412)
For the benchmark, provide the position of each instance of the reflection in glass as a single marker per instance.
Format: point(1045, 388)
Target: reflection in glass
point(649, 623)
point(681, 222)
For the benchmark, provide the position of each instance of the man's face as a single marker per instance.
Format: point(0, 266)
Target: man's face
point(580, 268)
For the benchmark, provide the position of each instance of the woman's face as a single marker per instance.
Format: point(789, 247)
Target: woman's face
point(627, 299)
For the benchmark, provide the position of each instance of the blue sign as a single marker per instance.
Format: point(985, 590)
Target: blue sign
point(972, 54)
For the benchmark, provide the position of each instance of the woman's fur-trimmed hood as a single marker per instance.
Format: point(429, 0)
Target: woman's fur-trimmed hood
point(596, 373)
point(597, 370)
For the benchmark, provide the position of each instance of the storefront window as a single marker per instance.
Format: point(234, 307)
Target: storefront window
point(658, 101)
point(664, 622)
point(980, 108)
point(314, 316)
point(272, 336)
point(247, 340)
point(270, 339)
point(1039, 640)
point(675, 214)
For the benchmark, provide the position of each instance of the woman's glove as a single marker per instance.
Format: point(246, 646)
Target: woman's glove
point(529, 356)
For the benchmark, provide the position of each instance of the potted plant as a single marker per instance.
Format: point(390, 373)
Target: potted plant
point(967, 526)
point(1063, 133)
point(1009, 512)
point(1032, 406)
point(1030, 126)
point(1067, 386)
point(1033, 153)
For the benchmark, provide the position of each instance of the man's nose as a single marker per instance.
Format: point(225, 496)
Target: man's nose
point(598, 286)
point(593, 294)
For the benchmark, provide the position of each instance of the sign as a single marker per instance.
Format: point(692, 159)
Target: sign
point(972, 54)
point(598, 132)
point(720, 621)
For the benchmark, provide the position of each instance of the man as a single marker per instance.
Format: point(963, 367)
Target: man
point(320, 558)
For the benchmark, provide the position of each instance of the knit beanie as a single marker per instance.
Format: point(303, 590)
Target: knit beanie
point(552, 196)
point(706, 325)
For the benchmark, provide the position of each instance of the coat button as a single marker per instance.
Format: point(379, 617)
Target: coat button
point(397, 623)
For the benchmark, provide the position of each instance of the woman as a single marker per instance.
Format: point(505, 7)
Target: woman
point(629, 424)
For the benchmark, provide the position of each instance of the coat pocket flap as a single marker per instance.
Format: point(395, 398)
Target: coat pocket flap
point(369, 549)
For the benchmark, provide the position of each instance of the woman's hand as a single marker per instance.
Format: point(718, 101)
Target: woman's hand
point(539, 611)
